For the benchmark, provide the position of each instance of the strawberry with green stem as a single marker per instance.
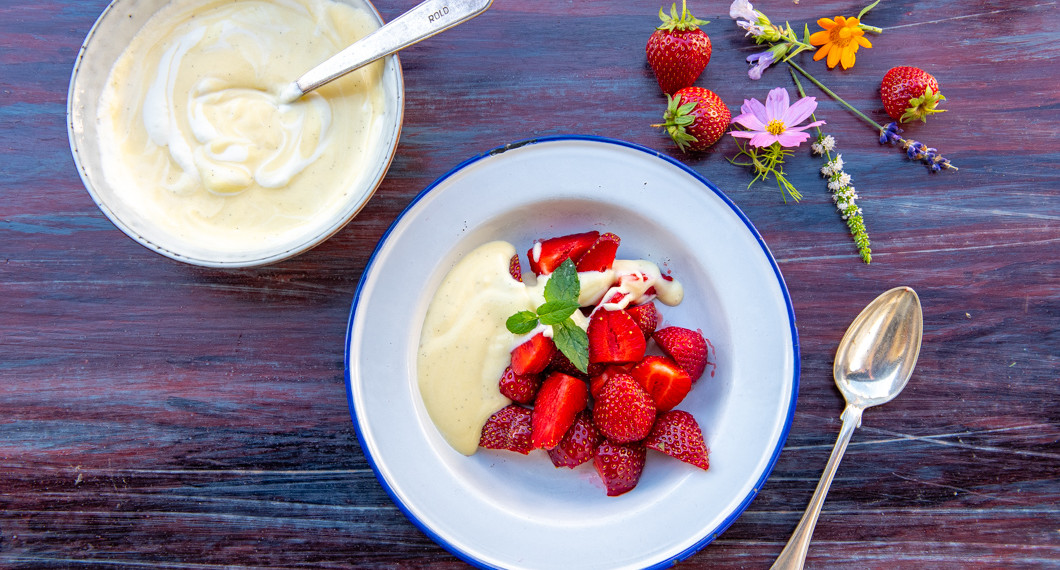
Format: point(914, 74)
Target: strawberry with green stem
point(678, 50)
point(695, 118)
point(910, 94)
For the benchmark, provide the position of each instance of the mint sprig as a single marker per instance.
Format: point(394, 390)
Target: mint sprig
point(561, 300)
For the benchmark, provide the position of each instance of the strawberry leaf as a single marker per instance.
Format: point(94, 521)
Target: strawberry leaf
point(572, 341)
point(563, 284)
point(555, 312)
point(521, 322)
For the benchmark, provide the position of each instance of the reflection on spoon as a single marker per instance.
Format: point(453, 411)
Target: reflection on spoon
point(873, 364)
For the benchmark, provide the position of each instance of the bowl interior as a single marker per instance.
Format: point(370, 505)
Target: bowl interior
point(105, 43)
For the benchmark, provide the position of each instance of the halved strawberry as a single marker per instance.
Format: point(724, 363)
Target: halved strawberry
point(687, 347)
point(515, 269)
point(619, 465)
point(560, 363)
point(665, 381)
point(519, 387)
point(508, 428)
point(551, 252)
point(601, 255)
point(604, 373)
point(677, 434)
point(624, 412)
point(578, 444)
point(533, 356)
point(615, 337)
point(558, 402)
point(646, 316)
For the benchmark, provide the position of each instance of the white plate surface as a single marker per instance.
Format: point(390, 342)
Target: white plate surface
point(501, 509)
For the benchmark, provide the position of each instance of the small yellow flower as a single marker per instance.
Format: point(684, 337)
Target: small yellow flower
point(839, 40)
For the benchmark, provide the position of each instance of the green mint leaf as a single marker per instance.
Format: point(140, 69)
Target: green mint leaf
point(563, 283)
point(521, 322)
point(555, 312)
point(572, 341)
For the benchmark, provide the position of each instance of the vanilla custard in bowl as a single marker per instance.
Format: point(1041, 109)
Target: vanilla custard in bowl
point(197, 156)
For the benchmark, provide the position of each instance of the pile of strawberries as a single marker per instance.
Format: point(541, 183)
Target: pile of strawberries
point(625, 403)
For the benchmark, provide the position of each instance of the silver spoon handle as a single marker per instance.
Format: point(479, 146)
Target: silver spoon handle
point(794, 554)
point(419, 23)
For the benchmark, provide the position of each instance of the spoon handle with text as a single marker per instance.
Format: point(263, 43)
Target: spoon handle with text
point(794, 554)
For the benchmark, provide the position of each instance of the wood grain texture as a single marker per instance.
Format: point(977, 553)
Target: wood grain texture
point(154, 414)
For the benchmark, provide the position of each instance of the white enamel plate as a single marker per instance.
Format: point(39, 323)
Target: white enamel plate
point(502, 509)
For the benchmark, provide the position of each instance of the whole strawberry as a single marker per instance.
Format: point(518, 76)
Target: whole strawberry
point(678, 50)
point(910, 94)
point(695, 118)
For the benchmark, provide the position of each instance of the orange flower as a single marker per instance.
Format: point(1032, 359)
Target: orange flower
point(839, 40)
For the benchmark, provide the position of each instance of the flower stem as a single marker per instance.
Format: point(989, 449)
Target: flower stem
point(832, 94)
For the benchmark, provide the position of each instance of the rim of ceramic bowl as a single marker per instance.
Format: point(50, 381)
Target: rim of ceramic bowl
point(81, 116)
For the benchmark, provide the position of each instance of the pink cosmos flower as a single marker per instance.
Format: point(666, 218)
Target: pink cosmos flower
point(776, 121)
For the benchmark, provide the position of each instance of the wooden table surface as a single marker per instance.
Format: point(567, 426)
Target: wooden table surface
point(155, 414)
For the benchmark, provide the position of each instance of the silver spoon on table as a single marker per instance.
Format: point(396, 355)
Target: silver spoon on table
point(872, 365)
point(419, 23)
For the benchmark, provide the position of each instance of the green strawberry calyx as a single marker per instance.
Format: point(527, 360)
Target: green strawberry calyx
point(679, 23)
point(678, 118)
point(921, 107)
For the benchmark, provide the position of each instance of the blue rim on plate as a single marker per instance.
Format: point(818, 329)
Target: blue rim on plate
point(701, 539)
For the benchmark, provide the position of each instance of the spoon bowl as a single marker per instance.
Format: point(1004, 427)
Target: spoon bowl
point(873, 363)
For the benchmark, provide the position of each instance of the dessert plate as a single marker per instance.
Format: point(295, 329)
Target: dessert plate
point(506, 510)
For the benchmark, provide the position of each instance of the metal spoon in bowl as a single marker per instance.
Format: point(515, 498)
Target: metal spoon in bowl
point(872, 365)
point(419, 23)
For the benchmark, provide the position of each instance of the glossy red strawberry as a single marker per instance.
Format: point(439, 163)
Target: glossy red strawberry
point(519, 387)
point(688, 348)
point(545, 256)
point(532, 356)
point(677, 434)
point(624, 412)
point(646, 316)
point(601, 255)
point(678, 50)
point(619, 465)
point(558, 402)
point(509, 429)
point(695, 118)
point(910, 94)
point(665, 381)
point(578, 444)
point(614, 337)
point(602, 374)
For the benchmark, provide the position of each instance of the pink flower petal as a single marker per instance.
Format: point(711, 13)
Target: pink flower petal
point(743, 134)
point(791, 138)
point(776, 104)
point(800, 111)
point(756, 108)
point(804, 127)
point(749, 121)
point(764, 139)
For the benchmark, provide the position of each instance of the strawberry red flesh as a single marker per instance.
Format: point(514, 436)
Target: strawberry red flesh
point(558, 402)
point(665, 381)
point(519, 387)
point(601, 255)
point(508, 429)
point(532, 356)
point(646, 317)
point(615, 337)
point(688, 348)
point(554, 251)
point(578, 444)
point(624, 412)
point(619, 465)
point(599, 379)
point(677, 434)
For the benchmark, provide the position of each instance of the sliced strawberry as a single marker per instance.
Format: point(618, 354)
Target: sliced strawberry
point(515, 269)
point(688, 348)
point(560, 363)
point(646, 316)
point(615, 337)
point(665, 381)
point(578, 444)
point(509, 428)
point(624, 412)
point(519, 387)
point(677, 434)
point(558, 402)
point(551, 252)
point(598, 380)
point(619, 465)
point(601, 255)
point(533, 356)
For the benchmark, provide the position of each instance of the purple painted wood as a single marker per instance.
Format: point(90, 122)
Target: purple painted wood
point(156, 414)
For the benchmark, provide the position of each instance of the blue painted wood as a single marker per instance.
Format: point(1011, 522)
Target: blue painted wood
point(156, 414)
